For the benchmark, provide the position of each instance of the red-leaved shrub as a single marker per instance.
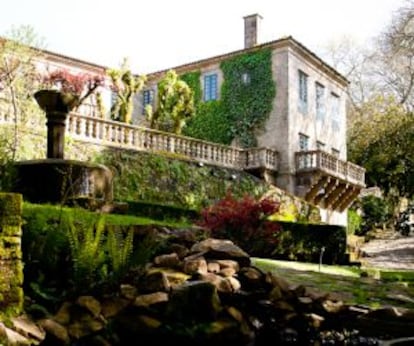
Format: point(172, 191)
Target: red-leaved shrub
point(244, 221)
point(83, 84)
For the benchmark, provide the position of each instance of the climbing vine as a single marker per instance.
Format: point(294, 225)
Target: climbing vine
point(246, 101)
point(247, 94)
point(193, 81)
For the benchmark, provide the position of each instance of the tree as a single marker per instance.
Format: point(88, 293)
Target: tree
point(382, 141)
point(175, 104)
point(125, 85)
point(395, 56)
point(380, 116)
point(355, 62)
point(18, 82)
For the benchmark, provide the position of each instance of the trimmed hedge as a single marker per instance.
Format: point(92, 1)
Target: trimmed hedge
point(308, 242)
point(161, 211)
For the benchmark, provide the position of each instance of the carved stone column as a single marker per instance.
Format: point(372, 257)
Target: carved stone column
point(57, 106)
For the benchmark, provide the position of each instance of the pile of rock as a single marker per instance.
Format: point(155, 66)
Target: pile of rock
point(210, 294)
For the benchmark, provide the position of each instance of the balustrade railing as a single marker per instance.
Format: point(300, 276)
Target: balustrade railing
point(323, 161)
point(121, 135)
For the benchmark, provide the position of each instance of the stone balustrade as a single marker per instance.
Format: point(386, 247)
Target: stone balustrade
point(117, 134)
point(330, 164)
point(121, 135)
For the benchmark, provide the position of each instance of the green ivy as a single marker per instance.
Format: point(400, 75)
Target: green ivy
point(248, 105)
point(208, 123)
point(159, 179)
point(244, 106)
point(193, 81)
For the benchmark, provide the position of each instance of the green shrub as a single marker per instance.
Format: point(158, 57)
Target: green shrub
point(354, 222)
point(160, 211)
point(85, 250)
point(307, 242)
point(43, 234)
point(375, 212)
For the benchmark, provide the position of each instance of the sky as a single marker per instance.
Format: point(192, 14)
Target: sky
point(160, 34)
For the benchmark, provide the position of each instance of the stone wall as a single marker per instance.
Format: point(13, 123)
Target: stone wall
point(11, 265)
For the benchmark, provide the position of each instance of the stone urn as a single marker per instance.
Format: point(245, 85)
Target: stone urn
point(57, 105)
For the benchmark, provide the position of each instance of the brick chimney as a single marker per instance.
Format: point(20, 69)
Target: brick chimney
point(251, 29)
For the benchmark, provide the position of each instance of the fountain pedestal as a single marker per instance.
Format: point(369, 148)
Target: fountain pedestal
point(57, 106)
point(55, 179)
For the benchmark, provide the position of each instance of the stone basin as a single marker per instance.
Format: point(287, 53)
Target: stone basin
point(61, 181)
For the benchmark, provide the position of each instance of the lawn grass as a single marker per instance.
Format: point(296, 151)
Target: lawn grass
point(50, 210)
point(346, 283)
point(269, 264)
point(355, 285)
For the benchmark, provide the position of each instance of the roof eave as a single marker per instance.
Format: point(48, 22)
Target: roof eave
point(283, 42)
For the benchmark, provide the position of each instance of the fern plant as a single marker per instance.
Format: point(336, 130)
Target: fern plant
point(119, 249)
point(86, 241)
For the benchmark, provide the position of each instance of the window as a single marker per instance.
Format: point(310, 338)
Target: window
point(303, 142)
point(335, 152)
point(320, 101)
point(303, 92)
point(320, 145)
point(245, 78)
point(210, 87)
point(147, 99)
point(335, 116)
point(304, 160)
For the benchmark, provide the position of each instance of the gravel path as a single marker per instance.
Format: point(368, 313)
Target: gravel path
point(394, 251)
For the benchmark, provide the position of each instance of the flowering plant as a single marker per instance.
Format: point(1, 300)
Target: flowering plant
point(82, 85)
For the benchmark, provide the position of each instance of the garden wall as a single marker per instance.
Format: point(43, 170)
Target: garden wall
point(11, 265)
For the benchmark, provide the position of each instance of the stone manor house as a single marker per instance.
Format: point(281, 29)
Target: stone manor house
point(302, 148)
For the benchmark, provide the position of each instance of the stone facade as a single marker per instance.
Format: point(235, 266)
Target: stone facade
point(287, 128)
point(287, 124)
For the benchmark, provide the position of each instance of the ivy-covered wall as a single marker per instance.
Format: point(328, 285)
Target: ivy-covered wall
point(161, 179)
point(246, 100)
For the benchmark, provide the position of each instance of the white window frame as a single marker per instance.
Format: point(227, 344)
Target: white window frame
point(335, 113)
point(320, 101)
point(304, 161)
point(302, 92)
point(210, 87)
point(320, 145)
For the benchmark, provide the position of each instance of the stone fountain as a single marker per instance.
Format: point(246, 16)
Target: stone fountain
point(55, 179)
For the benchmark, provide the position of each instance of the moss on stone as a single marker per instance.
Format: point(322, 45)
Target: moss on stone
point(10, 248)
point(11, 266)
point(11, 205)
point(11, 227)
